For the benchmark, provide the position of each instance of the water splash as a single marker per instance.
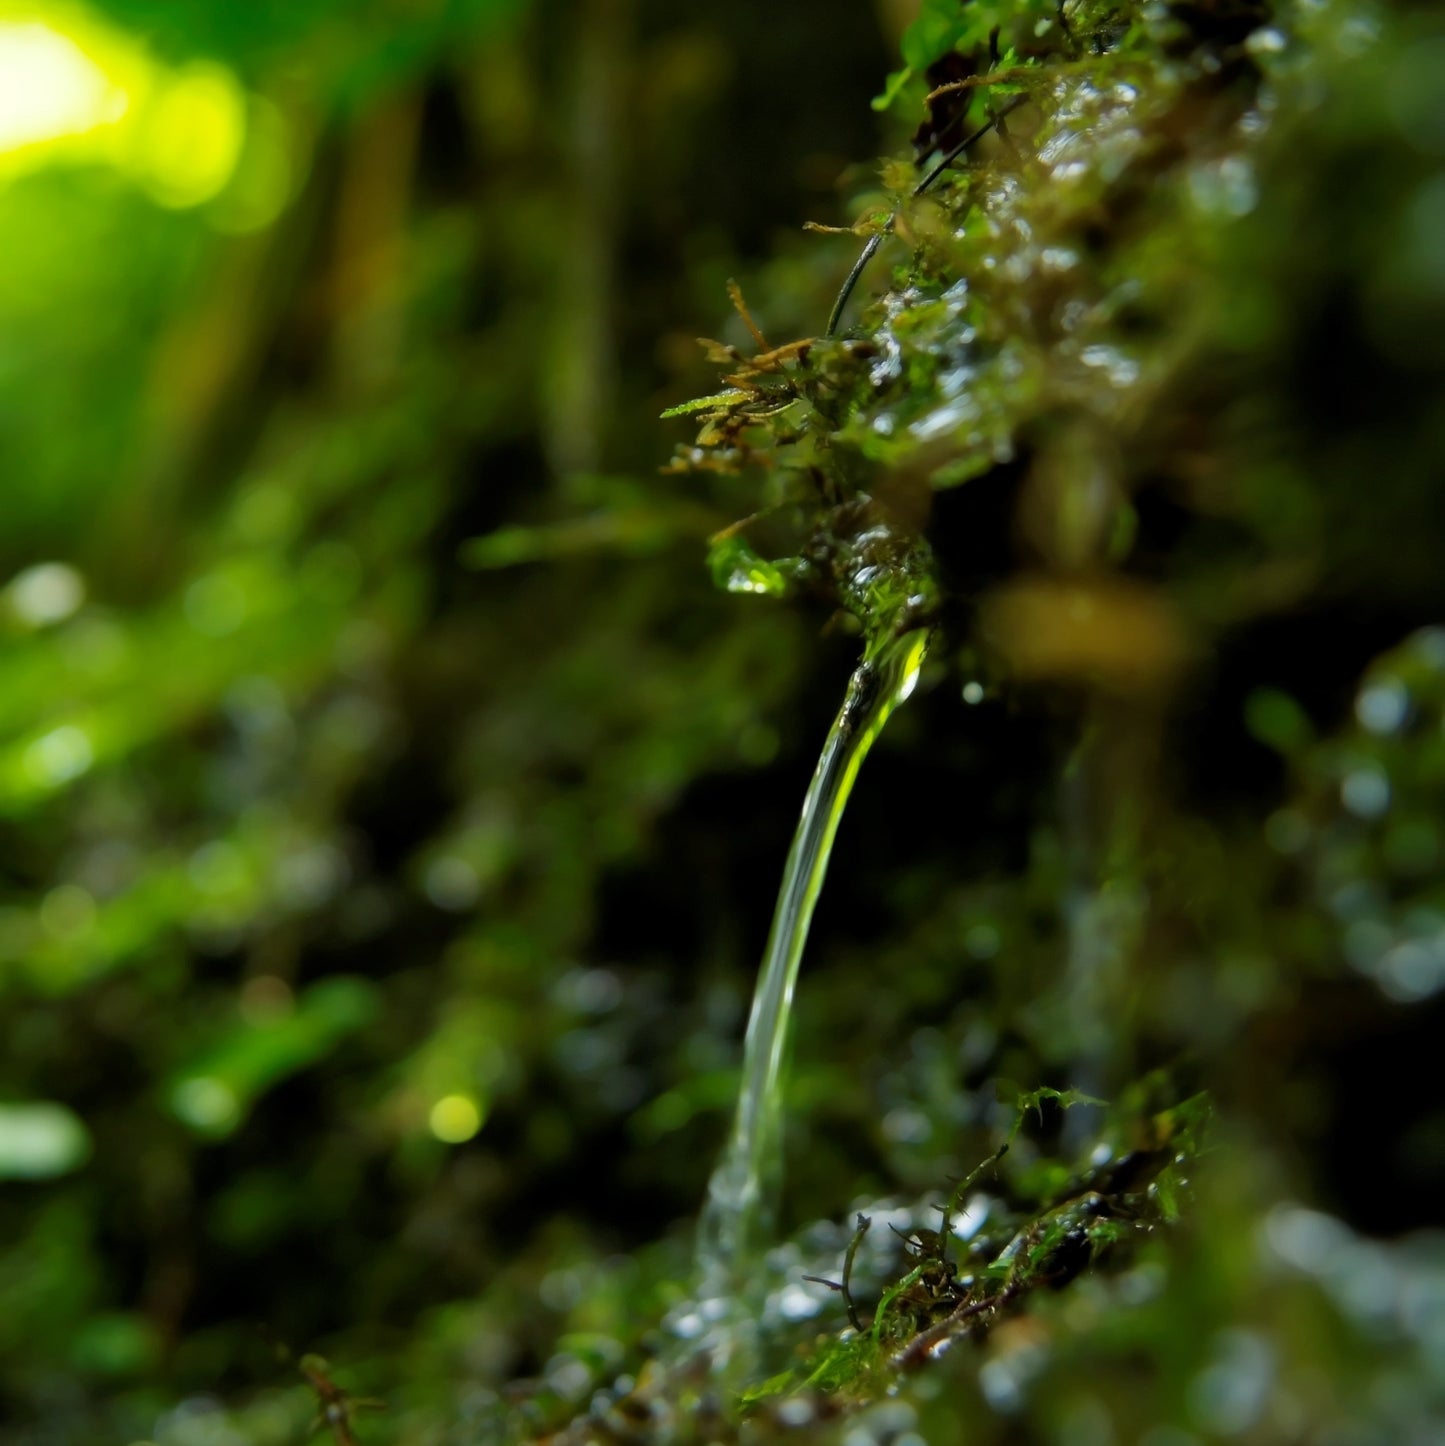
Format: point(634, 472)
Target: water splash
point(742, 1193)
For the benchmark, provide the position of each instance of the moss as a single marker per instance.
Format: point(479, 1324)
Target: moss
point(1045, 297)
point(1095, 314)
point(1026, 1221)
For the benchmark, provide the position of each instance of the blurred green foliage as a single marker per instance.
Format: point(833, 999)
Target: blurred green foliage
point(393, 807)
point(309, 1024)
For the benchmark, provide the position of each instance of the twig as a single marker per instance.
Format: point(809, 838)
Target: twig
point(965, 143)
point(956, 1198)
point(869, 251)
point(874, 242)
point(996, 77)
point(845, 1289)
point(736, 293)
point(917, 1351)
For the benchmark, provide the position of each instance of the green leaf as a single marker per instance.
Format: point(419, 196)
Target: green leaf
point(1277, 721)
point(737, 567)
point(717, 401)
point(940, 26)
point(893, 89)
point(774, 1386)
point(1024, 1101)
point(214, 1093)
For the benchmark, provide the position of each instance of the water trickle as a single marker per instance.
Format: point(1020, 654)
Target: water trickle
point(743, 1191)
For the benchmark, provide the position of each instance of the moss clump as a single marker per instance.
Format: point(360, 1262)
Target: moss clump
point(1074, 169)
point(1115, 411)
point(1027, 1220)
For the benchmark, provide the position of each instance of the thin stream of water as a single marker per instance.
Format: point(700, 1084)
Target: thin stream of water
point(742, 1194)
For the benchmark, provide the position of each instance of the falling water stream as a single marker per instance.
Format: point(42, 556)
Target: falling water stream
point(742, 1194)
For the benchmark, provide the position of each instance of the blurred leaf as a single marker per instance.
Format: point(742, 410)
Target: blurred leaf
point(215, 1092)
point(736, 566)
point(717, 401)
point(1277, 721)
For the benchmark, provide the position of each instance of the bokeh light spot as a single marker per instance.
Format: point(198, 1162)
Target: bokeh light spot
point(50, 88)
point(40, 1140)
point(264, 174)
point(47, 593)
point(215, 605)
point(58, 756)
point(207, 1104)
point(455, 1119)
point(67, 912)
point(192, 137)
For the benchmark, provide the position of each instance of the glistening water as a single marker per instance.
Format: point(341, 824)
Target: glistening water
point(743, 1192)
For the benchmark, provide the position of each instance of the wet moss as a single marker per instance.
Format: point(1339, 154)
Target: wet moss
point(1044, 294)
point(1100, 316)
point(1025, 1221)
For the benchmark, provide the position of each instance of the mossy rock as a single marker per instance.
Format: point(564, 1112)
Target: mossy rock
point(1148, 401)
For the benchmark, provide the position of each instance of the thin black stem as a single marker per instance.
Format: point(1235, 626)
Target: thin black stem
point(875, 241)
point(863, 1223)
point(918, 1350)
point(965, 143)
point(869, 251)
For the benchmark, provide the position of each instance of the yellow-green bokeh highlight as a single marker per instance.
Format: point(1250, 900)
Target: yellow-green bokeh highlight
point(77, 90)
point(455, 1119)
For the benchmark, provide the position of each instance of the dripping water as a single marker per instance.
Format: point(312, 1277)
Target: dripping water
point(742, 1194)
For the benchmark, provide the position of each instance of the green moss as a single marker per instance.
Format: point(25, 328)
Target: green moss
point(1035, 1222)
point(1095, 310)
point(1045, 294)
